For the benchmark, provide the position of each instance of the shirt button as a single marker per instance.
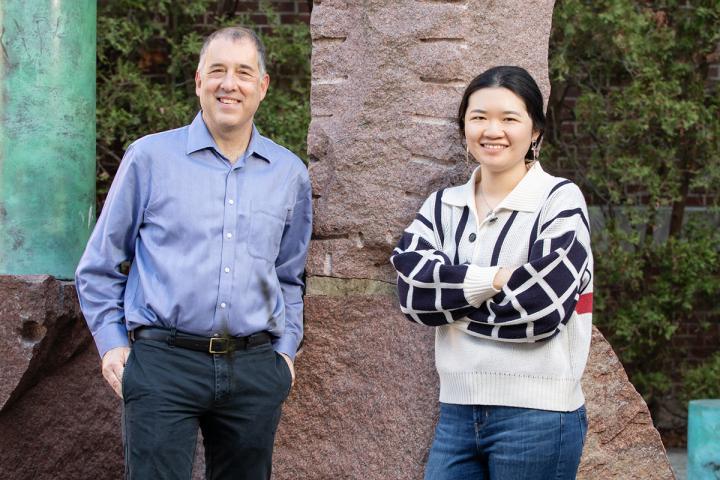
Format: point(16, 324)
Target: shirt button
point(231, 201)
point(472, 237)
point(223, 305)
point(227, 269)
point(228, 235)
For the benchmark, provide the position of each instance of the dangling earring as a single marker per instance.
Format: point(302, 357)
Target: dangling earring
point(535, 146)
point(467, 155)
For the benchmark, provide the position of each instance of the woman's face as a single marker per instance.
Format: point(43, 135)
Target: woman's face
point(498, 128)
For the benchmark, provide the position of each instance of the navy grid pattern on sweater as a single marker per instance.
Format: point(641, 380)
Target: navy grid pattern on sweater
point(535, 304)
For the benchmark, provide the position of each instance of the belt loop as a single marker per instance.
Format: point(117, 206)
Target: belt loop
point(171, 338)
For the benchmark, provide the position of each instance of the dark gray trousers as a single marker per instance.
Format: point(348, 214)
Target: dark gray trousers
point(235, 399)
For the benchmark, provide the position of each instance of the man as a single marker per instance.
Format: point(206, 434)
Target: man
point(202, 332)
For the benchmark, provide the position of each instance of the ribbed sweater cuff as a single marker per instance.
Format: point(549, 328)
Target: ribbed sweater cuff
point(478, 285)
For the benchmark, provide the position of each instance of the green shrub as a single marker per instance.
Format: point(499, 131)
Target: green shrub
point(703, 381)
point(647, 137)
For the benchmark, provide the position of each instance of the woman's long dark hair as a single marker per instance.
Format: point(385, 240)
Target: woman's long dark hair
point(518, 81)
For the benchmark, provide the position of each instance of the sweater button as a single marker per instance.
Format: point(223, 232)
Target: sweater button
point(472, 237)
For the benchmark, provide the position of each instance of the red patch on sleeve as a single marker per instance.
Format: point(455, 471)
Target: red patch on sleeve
point(584, 304)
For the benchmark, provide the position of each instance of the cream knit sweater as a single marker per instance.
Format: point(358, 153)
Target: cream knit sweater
point(523, 346)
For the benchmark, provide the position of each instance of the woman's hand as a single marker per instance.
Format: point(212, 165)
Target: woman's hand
point(501, 278)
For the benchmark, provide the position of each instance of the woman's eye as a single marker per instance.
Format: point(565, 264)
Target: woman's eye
point(509, 119)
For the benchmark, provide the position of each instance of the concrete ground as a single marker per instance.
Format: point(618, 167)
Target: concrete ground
point(678, 460)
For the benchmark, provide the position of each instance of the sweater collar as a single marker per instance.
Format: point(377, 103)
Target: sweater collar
point(527, 196)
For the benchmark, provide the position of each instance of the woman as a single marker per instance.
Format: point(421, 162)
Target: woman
point(502, 267)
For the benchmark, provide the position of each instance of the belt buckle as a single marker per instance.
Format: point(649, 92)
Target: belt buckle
point(222, 349)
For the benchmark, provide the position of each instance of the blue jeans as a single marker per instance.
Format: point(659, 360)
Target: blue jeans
point(506, 443)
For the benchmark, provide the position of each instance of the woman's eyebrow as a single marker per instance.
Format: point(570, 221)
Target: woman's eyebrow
point(506, 112)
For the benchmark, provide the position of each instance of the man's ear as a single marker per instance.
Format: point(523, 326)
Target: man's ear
point(198, 82)
point(264, 84)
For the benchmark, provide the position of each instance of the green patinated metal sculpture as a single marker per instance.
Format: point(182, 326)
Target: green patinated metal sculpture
point(47, 134)
point(704, 439)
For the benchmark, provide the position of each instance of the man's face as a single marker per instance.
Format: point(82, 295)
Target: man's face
point(229, 84)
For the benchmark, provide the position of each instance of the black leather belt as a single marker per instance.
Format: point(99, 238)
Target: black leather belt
point(200, 343)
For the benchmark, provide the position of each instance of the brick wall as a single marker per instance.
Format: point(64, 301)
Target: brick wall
point(290, 12)
point(568, 126)
point(698, 335)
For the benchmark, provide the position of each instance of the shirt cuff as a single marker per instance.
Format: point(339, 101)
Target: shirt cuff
point(478, 285)
point(111, 336)
point(286, 344)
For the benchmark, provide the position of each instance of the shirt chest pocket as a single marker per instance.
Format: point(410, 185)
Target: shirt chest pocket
point(267, 223)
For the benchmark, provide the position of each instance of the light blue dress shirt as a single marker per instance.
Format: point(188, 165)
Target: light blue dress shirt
point(215, 247)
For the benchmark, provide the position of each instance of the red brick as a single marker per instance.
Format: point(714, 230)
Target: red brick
point(285, 7)
point(246, 6)
point(303, 6)
point(294, 18)
point(714, 72)
point(568, 128)
point(259, 19)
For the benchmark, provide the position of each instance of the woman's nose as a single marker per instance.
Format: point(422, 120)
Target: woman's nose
point(494, 129)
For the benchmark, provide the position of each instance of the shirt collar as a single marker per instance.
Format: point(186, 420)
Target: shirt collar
point(527, 195)
point(199, 138)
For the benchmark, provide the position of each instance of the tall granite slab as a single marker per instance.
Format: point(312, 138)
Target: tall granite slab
point(387, 77)
point(387, 81)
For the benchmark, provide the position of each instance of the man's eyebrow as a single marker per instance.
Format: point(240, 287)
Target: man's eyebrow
point(242, 66)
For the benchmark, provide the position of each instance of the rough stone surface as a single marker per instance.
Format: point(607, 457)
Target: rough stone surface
point(58, 417)
point(365, 402)
point(621, 442)
point(38, 330)
point(387, 81)
point(66, 427)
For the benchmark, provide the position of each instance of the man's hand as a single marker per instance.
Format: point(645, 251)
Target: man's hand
point(290, 365)
point(113, 365)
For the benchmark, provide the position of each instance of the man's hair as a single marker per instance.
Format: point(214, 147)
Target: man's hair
point(236, 34)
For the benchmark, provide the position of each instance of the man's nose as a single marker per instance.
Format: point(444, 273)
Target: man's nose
point(228, 82)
